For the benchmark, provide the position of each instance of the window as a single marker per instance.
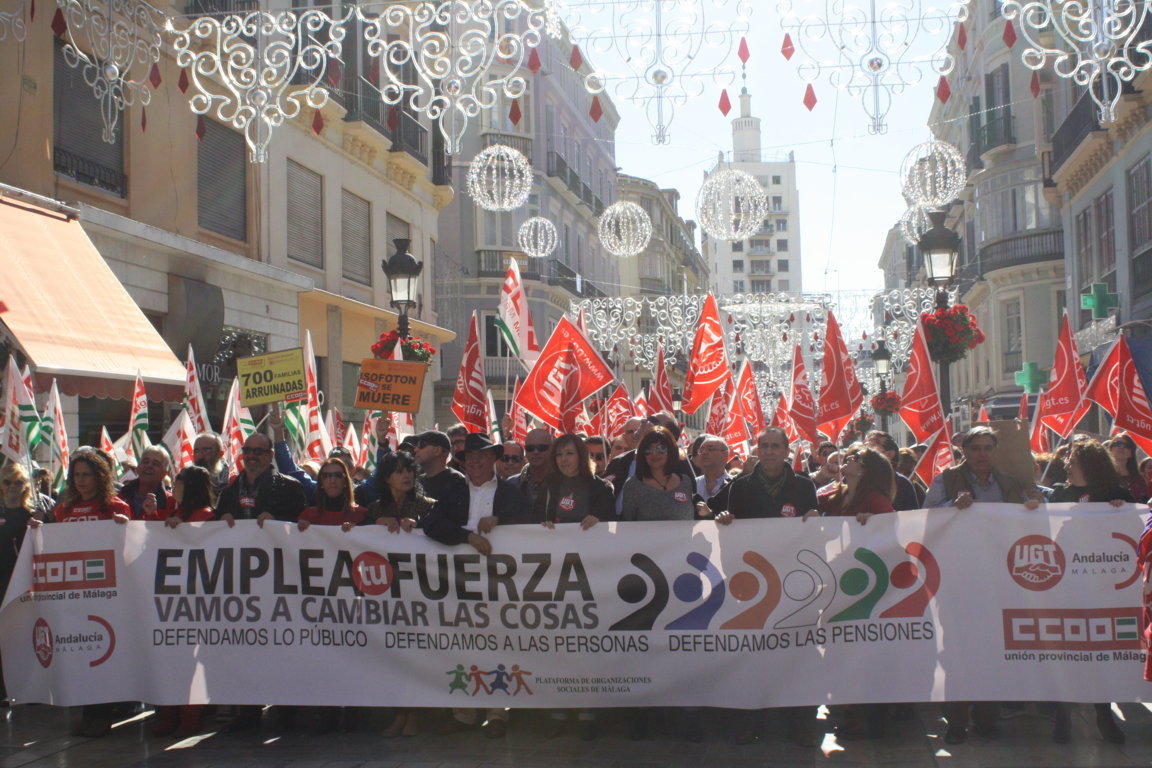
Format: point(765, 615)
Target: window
point(1085, 246)
point(761, 286)
point(78, 148)
point(777, 203)
point(738, 266)
point(222, 182)
point(782, 265)
point(782, 244)
point(1140, 206)
point(305, 215)
point(349, 378)
point(761, 266)
point(1105, 233)
point(398, 229)
point(738, 246)
point(781, 225)
point(1013, 202)
point(776, 180)
point(1013, 336)
point(761, 244)
point(356, 237)
point(785, 285)
point(494, 344)
point(738, 286)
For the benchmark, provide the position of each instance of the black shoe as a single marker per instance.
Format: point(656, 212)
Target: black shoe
point(1108, 727)
point(956, 734)
point(495, 729)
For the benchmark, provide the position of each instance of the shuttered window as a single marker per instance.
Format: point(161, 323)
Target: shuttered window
point(397, 228)
point(222, 181)
point(305, 215)
point(356, 237)
point(79, 150)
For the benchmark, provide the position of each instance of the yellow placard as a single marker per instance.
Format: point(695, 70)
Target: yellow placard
point(390, 385)
point(272, 377)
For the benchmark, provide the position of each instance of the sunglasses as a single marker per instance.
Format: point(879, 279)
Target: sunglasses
point(331, 475)
point(510, 459)
point(657, 450)
point(535, 448)
point(254, 451)
point(1129, 446)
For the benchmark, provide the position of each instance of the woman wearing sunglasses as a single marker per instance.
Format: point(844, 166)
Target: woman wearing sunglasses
point(1123, 451)
point(335, 503)
point(657, 492)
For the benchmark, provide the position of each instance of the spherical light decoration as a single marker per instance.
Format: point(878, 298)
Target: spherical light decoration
point(499, 178)
point(914, 223)
point(625, 229)
point(933, 174)
point(731, 205)
point(537, 237)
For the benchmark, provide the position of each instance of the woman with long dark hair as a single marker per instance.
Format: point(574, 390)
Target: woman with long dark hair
point(335, 499)
point(1122, 449)
point(402, 504)
point(657, 492)
point(195, 496)
point(867, 487)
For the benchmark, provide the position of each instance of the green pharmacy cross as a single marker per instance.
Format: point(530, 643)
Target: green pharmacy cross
point(1032, 377)
point(1099, 300)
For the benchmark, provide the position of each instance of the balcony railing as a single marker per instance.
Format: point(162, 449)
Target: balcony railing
point(973, 158)
point(1142, 275)
point(195, 7)
point(88, 172)
point(491, 263)
point(597, 205)
point(1022, 248)
point(997, 131)
point(411, 137)
point(1081, 121)
point(563, 276)
point(522, 144)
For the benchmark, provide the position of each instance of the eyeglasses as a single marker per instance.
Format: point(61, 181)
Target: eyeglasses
point(1127, 446)
point(535, 448)
point(510, 458)
point(254, 451)
point(331, 475)
point(657, 450)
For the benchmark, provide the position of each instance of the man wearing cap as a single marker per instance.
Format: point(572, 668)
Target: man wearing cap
point(439, 481)
point(490, 501)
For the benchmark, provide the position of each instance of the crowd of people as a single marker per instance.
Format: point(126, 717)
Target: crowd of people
point(456, 487)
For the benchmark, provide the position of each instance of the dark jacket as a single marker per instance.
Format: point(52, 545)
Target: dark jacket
point(279, 495)
point(749, 496)
point(1066, 492)
point(620, 469)
point(366, 491)
point(446, 520)
point(127, 494)
point(906, 495)
point(587, 495)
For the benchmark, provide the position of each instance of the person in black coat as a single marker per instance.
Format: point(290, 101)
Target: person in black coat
point(260, 492)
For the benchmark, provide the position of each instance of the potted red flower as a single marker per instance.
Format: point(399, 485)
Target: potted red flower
point(951, 332)
point(885, 402)
point(412, 348)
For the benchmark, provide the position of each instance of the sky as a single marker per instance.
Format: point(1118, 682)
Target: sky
point(848, 178)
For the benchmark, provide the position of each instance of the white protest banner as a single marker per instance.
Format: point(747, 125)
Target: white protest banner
point(989, 603)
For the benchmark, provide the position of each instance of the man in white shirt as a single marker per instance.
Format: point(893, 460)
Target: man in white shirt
point(711, 459)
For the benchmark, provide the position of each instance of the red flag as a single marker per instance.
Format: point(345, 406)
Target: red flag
point(801, 404)
point(983, 414)
point(660, 391)
point(519, 417)
point(717, 411)
point(1104, 389)
point(708, 367)
point(747, 400)
point(468, 401)
point(1134, 414)
point(840, 392)
point(938, 457)
point(641, 408)
point(920, 406)
point(1038, 436)
point(784, 420)
point(572, 417)
point(1025, 414)
point(1063, 404)
point(735, 433)
point(616, 412)
point(567, 353)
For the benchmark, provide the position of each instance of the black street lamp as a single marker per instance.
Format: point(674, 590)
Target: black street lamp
point(882, 363)
point(677, 400)
point(403, 273)
point(940, 248)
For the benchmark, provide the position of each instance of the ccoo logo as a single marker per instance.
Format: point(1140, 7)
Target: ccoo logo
point(1036, 562)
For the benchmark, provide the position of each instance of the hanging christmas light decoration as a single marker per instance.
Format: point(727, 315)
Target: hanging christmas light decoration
point(914, 223)
point(499, 178)
point(658, 54)
point(1099, 45)
point(872, 51)
point(537, 237)
point(731, 205)
point(13, 21)
point(112, 42)
point(441, 62)
point(933, 174)
point(255, 70)
point(624, 229)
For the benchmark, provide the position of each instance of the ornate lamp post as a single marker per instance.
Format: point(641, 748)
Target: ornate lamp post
point(677, 400)
point(403, 273)
point(882, 363)
point(940, 248)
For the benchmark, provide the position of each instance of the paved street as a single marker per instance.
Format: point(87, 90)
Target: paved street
point(36, 737)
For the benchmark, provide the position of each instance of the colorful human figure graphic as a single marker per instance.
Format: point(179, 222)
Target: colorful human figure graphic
point(476, 676)
point(500, 678)
point(459, 680)
point(518, 676)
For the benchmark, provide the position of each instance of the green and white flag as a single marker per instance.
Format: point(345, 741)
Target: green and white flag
point(57, 436)
point(21, 422)
point(138, 421)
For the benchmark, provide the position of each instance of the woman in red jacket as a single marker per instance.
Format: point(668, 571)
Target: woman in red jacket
point(867, 488)
point(335, 504)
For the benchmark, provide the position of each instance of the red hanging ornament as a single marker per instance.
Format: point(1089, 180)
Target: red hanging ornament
point(962, 37)
point(201, 127)
point(32, 11)
point(729, 319)
point(787, 49)
point(1035, 84)
point(154, 76)
point(596, 111)
point(335, 71)
point(809, 97)
point(514, 114)
point(182, 83)
point(59, 26)
point(743, 50)
point(374, 71)
point(534, 61)
point(943, 90)
point(575, 60)
point(784, 337)
point(792, 317)
point(317, 122)
point(725, 103)
point(143, 119)
point(1009, 36)
point(392, 122)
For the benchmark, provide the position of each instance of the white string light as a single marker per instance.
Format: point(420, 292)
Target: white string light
point(537, 237)
point(624, 229)
point(933, 174)
point(499, 178)
point(731, 205)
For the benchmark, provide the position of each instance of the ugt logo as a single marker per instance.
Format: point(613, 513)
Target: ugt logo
point(1036, 562)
